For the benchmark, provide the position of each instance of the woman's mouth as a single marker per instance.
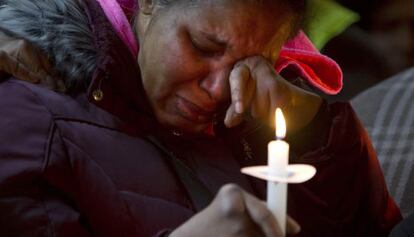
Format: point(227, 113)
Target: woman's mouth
point(192, 112)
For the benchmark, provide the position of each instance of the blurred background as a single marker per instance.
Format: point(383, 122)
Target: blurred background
point(373, 40)
point(370, 39)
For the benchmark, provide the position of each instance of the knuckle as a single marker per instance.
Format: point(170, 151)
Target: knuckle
point(264, 215)
point(270, 83)
point(255, 61)
point(236, 94)
point(234, 74)
point(266, 71)
point(239, 64)
point(231, 200)
point(231, 189)
point(239, 73)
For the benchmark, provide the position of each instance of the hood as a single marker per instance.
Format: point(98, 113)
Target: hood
point(71, 44)
point(22, 60)
point(38, 34)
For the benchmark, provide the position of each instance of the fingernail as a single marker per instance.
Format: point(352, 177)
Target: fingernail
point(227, 121)
point(229, 124)
point(239, 107)
point(297, 229)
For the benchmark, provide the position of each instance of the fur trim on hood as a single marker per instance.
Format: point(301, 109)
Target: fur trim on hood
point(60, 29)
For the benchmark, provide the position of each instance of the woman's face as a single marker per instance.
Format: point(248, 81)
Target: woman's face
point(187, 53)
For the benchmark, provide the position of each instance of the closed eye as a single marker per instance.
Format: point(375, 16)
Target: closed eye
point(206, 49)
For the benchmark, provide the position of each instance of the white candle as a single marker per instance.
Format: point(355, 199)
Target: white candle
point(278, 160)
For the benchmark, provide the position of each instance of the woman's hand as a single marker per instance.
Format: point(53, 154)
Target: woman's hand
point(257, 90)
point(234, 212)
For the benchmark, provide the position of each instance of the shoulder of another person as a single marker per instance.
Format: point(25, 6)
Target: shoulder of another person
point(20, 96)
point(26, 126)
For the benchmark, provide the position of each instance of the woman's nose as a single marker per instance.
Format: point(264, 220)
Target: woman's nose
point(216, 84)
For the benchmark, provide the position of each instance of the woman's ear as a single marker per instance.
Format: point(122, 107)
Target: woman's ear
point(146, 7)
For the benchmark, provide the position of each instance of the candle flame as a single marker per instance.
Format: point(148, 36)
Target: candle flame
point(280, 124)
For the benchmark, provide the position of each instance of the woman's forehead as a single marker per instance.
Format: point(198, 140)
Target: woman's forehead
point(232, 2)
point(236, 14)
point(239, 23)
point(263, 5)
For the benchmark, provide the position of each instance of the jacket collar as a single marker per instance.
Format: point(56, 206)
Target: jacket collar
point(116, 84)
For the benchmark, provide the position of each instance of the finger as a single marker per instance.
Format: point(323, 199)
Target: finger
point(239, 79)
point(292, 227)
point(261, 102)
point(231, 199)
point(250, 93)
point(262, 216)
point(232, 118)
point(264, 75)
point(259, 67)
point(271, 92)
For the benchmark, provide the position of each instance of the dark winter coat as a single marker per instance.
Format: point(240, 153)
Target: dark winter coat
point(75, 160)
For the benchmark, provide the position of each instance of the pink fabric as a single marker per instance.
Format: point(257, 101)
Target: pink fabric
point(321, 71)
point(119, 21)
point(128, 4)
point(298, 54)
